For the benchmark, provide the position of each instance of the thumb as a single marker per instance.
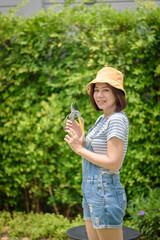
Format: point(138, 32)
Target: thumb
point(82, 136)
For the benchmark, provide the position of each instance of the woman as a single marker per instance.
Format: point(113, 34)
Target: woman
point(103, 152)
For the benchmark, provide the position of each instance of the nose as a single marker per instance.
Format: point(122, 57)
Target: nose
point(100, 94)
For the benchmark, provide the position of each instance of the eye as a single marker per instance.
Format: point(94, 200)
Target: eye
point(105, 90)
point(95, 90)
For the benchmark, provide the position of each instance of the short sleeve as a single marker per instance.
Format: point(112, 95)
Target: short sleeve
point(117, 128)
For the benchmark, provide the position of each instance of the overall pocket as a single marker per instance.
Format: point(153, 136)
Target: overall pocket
point(121, 195)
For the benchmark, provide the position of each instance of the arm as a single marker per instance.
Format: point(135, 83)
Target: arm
point(111, 161)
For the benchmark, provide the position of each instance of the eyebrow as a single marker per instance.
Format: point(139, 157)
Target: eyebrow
point(103, 87)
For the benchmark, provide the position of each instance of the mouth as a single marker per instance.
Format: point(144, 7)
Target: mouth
point(101, 101)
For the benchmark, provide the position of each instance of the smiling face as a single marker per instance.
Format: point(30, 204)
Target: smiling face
point(104, 98)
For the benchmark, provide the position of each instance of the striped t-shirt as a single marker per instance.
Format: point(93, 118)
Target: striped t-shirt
point(115, 125)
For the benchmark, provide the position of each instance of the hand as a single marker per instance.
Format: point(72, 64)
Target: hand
point(75, 126)
point(73, 139)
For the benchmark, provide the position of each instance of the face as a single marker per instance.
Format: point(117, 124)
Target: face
point(104, 98)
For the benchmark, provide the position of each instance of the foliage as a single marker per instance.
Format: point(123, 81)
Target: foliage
point(38, 226)
point(5, 218)
point(46, 62)
point(145, 214)
point(35, 226)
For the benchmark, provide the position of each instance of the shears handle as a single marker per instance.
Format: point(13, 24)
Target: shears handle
point(74, 113)
point(80, 123)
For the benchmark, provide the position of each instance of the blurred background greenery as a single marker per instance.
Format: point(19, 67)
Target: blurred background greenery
point(45, 64)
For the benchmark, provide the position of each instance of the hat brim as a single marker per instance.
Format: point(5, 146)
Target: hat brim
point(106, 80)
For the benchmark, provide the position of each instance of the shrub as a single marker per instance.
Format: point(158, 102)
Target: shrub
point(35, 226)
point(5, 218)
point(46, 62)
point(145, 214)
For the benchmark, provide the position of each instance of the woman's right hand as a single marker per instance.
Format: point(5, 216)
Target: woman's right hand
point(75, 126)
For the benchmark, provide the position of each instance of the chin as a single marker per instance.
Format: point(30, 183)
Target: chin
point(100, 107)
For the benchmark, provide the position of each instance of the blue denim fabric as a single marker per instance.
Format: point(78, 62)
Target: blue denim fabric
point(104, 198)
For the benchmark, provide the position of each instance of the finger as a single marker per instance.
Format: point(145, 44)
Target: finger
point(69, 122)
point(67, 138)
point(69, 126)
point(73, 123)
point(83, 134)
point(70, 131)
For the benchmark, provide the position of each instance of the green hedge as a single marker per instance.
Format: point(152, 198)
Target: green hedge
point(36, 226)
point(45, 63)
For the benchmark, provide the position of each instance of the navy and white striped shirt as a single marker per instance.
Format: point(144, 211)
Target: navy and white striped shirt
point(115, 125)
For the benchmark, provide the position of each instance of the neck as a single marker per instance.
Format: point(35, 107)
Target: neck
point(108, 112)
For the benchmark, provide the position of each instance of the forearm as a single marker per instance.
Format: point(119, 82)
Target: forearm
point(100, 160)
point(111, 161)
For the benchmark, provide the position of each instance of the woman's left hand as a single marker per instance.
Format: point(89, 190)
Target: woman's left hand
point(75, 142)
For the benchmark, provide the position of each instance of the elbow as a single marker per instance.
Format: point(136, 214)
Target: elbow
point(114, 168)
point(114, 164)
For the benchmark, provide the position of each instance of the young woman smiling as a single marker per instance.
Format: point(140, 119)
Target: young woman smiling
point(103, 151)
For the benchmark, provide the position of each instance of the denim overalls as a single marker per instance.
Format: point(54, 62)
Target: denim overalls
point(104, 198)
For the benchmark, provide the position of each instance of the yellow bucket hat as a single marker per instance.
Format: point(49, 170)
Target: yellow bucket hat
point(108, 75)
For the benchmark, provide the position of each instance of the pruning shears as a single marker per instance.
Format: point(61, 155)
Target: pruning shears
point(74, 114)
